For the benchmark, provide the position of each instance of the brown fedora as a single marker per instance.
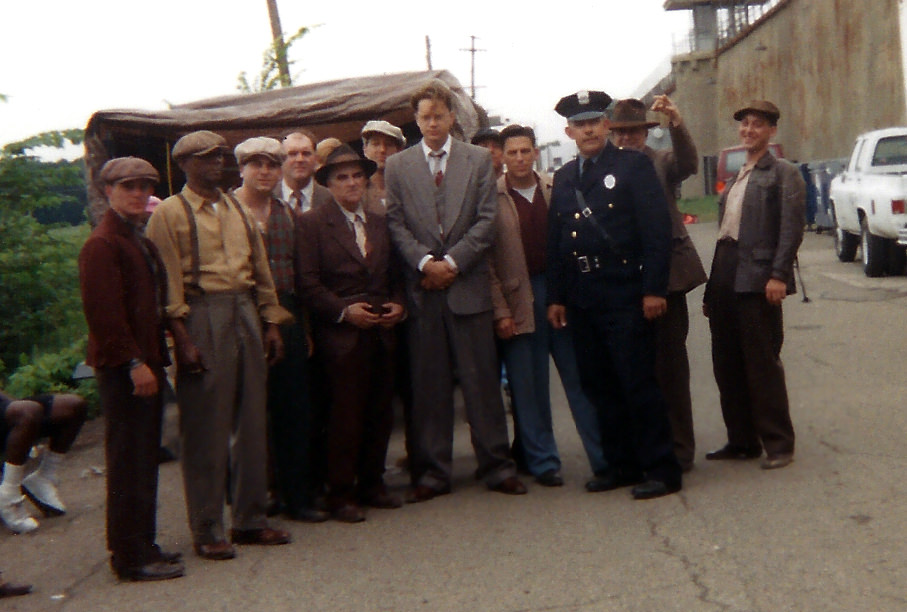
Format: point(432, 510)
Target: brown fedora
point(631, 113)
point(344, 154)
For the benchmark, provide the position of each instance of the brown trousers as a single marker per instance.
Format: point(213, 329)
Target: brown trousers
point(747, 334)
point(222, 416)
point(131, 443)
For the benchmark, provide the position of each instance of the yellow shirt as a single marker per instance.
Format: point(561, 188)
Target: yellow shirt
point(227, 262)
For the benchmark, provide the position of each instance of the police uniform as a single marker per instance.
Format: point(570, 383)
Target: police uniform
point(606, 250)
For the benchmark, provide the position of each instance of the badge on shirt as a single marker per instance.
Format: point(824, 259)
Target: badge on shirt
point(610, 181)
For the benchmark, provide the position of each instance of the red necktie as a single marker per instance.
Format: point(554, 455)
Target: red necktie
point(439, 174)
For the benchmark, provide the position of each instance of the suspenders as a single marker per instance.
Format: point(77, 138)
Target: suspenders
point(195, 282)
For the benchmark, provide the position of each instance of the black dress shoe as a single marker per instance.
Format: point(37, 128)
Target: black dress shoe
point(510, 486)
point(422, 493)
point(265, 536)
point(613, 479)
point(734, 453)
point(384, 501)
point(8, 589)
point(159, 570)
point(550, 478)
point(651, 489)
point(166, 556)
point(308, 515)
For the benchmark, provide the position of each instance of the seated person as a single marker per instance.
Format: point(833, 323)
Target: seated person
point(22, 423)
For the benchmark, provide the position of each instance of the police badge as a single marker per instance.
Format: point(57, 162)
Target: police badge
point(610, 181)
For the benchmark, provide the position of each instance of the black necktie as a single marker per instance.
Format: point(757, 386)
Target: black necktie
point(587, 167)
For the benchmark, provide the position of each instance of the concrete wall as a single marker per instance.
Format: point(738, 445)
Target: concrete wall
point(833, 67)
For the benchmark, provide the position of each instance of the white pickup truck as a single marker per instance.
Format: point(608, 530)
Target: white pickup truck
point(868, 202)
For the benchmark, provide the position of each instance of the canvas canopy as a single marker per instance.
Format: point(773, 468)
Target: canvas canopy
point(333, 108)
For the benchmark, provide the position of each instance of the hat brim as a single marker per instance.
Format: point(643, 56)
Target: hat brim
point(153, 179)
point(743, 112)
point(249, 157)
point(367, 165)
point(586, 115)
point(633, 124)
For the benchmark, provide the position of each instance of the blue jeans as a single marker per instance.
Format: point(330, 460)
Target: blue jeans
point(526, 357)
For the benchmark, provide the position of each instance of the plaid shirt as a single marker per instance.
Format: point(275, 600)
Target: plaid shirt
point(279, 241)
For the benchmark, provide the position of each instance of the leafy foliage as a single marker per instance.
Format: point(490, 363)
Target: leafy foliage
point(269, 76)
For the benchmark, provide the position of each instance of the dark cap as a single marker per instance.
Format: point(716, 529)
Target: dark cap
point(128, 168)
point(630, 113)
point(344, 154)
point(583, 105)
point(198, 143)
point(485, 135)
point(763, 107)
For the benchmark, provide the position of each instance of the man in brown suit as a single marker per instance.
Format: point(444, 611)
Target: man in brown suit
point(630, 128)
point(344, 276)
point(123, 295)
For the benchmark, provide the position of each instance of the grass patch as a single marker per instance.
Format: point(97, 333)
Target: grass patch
point(705, 207)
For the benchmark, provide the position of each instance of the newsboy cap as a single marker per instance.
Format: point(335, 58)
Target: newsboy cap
point(128, 168)
point(198, 143)
point(380, 126)
point(259, 145)
point(344, 154)
point(583, 105)
point(763, 107)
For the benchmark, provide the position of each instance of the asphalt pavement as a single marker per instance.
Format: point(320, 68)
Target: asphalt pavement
point(825, 534)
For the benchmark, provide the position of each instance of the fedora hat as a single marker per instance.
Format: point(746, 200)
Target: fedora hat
point(631, 113)
point(344, 154)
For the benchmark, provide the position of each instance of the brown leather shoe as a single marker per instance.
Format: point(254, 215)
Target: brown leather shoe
point(422, 493)
point(510, 486)
point(383, 500)
point(265, 536)
point(216, 551)
point(348, 513)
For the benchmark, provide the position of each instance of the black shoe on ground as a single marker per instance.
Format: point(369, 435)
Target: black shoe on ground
point(550, 478)
point(612, 479)
point(651, 489)
point(159, 570)
point(734, 453)
point(308, 515)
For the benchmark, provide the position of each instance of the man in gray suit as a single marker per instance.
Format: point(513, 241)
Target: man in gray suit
point(442, 203)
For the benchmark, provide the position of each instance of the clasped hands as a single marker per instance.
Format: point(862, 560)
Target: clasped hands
point(437, 275)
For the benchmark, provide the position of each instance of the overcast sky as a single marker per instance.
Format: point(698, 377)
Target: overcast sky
point(64, 60)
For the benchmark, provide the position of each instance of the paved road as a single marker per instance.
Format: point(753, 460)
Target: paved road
point(825, 534)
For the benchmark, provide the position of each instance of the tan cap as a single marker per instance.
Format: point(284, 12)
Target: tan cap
point(260, 145)
point(763, 107)
point(128, 168)
point(198, 143)
point(381, 126)
point(325, 148)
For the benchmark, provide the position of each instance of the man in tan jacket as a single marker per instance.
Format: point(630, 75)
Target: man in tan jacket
point(518, 293)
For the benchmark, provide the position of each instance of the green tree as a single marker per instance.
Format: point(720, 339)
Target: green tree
point(269, 76)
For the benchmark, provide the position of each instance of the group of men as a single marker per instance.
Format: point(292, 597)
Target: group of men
point(290, 299)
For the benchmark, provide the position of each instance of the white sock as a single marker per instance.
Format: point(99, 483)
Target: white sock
point(12, 478)
point(50, 461)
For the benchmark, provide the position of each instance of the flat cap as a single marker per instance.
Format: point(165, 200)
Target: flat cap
point(763, 107)
point(128, 168)
point(198, 143)
point(380, 126)
point(485, 135)
point(259, 145)
point(583, 105)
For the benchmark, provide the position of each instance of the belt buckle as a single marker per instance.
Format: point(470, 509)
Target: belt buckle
point(583, 264)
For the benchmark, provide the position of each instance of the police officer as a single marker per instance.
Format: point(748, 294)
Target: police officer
point(609, 249)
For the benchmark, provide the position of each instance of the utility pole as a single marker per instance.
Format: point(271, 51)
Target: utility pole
point(428, 51)
point(280, 49)
point(472, 50)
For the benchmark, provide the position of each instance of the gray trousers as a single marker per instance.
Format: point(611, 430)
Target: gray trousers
point(440, 340)
point(222, 416)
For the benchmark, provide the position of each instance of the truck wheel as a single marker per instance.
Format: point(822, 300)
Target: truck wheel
point(897, 258)
point(875, 251)
point(845, 244)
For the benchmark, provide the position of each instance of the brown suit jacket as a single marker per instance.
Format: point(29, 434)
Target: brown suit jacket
point(673, 166)
point(511, 292)
point(122, 296)
point(331, 274)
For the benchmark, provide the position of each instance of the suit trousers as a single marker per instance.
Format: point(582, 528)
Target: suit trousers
point(132, 441)
point(222, 416)
point(439, 341)
point(360, 420)
point(672, 369)
point(747, 334)
point(615, 350)
point(290, 415)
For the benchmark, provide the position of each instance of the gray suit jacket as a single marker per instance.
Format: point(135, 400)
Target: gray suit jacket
point(464, 206)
